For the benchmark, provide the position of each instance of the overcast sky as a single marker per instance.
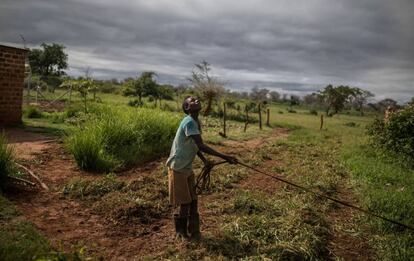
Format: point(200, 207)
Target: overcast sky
point(289, 46)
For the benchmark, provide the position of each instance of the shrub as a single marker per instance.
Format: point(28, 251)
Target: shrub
point(395, 135)
point(33, 112)
point(291, 111)
point(135, 103)
point(6, 160)
point(351, 124)
point(113, 138)
point(313, 112)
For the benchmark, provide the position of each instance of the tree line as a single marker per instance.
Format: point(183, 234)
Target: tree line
point(48, 65)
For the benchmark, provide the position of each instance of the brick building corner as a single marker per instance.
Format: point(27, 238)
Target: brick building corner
point(12, 60)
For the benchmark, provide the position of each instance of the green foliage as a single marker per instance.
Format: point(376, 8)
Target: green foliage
point(351, 124)
point(6, 160)
point(22, 241)
point(48, 61)
point(395, 135)
point(313, 112)
point(135, 103)
point(32, 112)
point(336, 97)
point(386, 187)
point(113, 138)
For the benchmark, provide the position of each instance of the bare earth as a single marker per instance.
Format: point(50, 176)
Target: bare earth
point(68, 224)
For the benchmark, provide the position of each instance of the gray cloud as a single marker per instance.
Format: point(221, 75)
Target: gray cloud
point(290, 46)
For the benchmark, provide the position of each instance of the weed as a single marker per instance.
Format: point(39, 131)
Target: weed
point(6, 160)
point(33, 112)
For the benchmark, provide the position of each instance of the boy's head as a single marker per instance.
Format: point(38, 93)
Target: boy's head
point(191, 105)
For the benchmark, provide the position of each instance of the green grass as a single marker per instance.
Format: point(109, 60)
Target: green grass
point(113, 137)
point(289, 224)
point(6, 160)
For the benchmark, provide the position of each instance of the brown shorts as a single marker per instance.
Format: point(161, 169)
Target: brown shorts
point(181, 186)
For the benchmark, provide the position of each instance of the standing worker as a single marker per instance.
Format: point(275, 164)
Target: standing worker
point(181, 181)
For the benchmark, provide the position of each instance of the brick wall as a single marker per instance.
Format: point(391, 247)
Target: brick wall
point(11, 84)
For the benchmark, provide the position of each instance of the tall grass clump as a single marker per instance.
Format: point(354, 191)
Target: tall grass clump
point(6, 160)
point(118, 137)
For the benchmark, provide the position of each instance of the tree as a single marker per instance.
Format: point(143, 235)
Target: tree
point(49, 61)
point(258, 94)
point(207, 86)
point(336, 97)
point(360, 98)
point(274, 96)
point(294, 100)
point(142, 86)
point(83, 86)
point(385, 103)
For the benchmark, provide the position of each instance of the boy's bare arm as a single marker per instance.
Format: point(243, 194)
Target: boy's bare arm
point(206, 149)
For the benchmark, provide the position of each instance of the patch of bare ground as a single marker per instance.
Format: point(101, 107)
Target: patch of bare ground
point(69, 223)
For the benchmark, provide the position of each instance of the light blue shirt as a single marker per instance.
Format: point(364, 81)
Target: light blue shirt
point(184, 149)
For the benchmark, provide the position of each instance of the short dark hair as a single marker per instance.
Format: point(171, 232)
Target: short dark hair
point(185, 105)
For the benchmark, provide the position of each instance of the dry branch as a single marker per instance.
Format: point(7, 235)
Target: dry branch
point(43, 185)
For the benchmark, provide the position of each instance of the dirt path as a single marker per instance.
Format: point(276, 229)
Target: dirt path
point(70, 224)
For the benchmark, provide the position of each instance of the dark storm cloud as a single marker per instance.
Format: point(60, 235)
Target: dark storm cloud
point(295, 46)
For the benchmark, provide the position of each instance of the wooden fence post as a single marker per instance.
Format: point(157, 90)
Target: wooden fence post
point(247, 118)
point(70, 94)
point(321, 122)
point(224, 119)
point(268, 118)
point(260, 117)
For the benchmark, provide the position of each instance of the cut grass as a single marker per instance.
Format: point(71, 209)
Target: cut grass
point(139, 201)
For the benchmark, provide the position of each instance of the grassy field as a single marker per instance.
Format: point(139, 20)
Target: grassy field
point(280, 224)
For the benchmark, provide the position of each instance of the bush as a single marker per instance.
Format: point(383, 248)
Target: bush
point(6, 160)
point(313, 112)
point(291, 111)
point(113, 138)
point(33, 112)
point(135, 103)
point(351, 124)
point(395, 135)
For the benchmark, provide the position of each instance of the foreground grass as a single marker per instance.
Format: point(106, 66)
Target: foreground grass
point(386, 187)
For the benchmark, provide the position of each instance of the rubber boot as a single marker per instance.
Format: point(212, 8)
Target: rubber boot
point(180, 226)
point(194, 226)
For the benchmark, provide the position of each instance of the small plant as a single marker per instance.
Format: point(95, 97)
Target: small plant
point(291, 111)
point(135, 103)
point(33, 112)
point(351, 124)
point(6, 160)
point(313, 112)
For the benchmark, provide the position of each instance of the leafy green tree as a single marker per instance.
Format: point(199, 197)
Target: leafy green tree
point(360, 98)
point(335, 98)
point(294, 100)
point(145, 85)
point(385, 103)
point(207, 86)
point(274, 96)
point(49, 62)
point(258, 94)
